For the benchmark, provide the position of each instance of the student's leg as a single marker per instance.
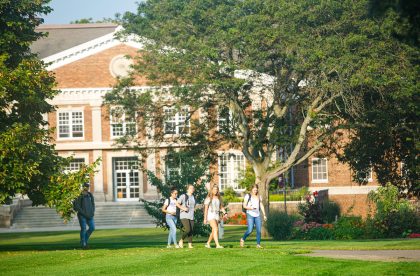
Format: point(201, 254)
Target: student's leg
point(91, 224)
point(185, 228)
point(171, 225)
point(190, 234)
point(250, 223)
point(215, 231)
point(173, 230)
point(258, 225)
point(82, 223)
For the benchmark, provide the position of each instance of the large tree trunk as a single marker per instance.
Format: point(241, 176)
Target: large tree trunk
point(264, 187)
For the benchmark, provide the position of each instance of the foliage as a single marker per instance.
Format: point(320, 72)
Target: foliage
point(306, 62)
point(312, 231)
point(229, 195)
point(247, 179)
point(29, 164)
point(192, 170)
point(393, 216)
point(385, 127)
point(280, 225)
point(311, 209)
point(237, 219)
point(330, 211)
point(348, 228)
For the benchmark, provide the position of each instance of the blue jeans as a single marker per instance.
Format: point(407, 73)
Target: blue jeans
point(250, 221)
point(171, 222)
point(85, 234)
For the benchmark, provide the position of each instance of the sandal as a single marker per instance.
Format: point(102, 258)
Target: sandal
point(207, 245)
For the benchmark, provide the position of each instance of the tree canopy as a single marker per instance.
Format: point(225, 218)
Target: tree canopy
point(29, 164)
point(285, 71)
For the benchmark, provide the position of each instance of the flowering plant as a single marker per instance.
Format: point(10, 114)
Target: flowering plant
point(237, 219)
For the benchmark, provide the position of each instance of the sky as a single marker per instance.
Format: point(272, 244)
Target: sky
point(71, 10)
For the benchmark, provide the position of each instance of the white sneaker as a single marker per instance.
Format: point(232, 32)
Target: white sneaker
point(176, 246)
point(168, 246)
point(219, 246)
point(207, 245)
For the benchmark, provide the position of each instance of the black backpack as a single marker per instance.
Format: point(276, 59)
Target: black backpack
point(249, 199)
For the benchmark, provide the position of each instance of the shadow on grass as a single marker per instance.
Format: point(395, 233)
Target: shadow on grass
point(114, 239)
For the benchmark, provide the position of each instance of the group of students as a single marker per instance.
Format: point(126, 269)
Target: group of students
point(213, 208)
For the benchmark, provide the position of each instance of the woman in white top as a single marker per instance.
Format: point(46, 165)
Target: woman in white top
point(212, 207)
point(169, 207)
point(253, 204)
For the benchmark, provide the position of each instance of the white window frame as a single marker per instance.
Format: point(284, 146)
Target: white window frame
point(168, 170)
point(323, 180)
point(70, 124)
point(220, 119)
point(123, 124)
point(232, 176)
point(178, 119)
point(75, 160)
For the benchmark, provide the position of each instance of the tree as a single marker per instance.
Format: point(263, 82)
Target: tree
point(184, 167)
point(29, 164)
point(385, 129)
point(283, 70)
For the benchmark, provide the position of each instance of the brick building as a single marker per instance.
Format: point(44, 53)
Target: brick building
point(86, 59)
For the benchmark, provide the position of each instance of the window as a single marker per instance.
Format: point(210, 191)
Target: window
point(70, 124)
point(365, 175)
point(319, 170)
point(74, 165)
point(122, 123)
point(225, 122)
point(176, 122)
point(172, 167)
point(231, 167)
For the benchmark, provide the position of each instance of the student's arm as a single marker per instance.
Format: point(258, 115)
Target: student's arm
point(183, 208)
point(206, 208)
point(222, 208)
point(245, 203)
point(165, 206)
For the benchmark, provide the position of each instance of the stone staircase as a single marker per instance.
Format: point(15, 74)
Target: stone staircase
point(107, 215)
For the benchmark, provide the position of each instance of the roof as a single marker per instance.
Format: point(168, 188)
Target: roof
point(63, 37)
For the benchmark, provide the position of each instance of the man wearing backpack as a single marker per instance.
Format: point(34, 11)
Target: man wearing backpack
point(186, 215)
point(84, 205)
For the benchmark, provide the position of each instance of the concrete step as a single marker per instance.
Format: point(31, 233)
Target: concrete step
point(106, 215)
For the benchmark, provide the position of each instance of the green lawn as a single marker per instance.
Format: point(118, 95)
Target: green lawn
point(142, 251)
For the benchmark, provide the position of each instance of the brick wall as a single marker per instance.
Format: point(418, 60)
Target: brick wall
point(93, 71)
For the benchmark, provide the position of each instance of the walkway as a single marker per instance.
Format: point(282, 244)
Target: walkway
point(369, 255)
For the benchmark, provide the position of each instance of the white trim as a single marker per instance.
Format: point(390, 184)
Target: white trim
point(90, 48)
point(316, 181)
point(123, 124)
point(345, 190)
point(231, 173)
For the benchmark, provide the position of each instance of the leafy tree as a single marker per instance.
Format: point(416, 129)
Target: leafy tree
point(29, 164)
point(284, 70)
point(385, 128)
point(187, 167)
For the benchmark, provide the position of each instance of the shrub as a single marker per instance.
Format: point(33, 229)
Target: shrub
point(320, 233)
point(311, 210)
point(349, 227)
point(329, 211)
point(394, 216)
point(280, 225)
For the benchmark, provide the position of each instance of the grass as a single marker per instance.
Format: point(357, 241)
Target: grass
point(142, 251)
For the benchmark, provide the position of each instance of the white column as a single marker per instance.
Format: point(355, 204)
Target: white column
point(98, 178)
point(96, 123)
point(151, 166)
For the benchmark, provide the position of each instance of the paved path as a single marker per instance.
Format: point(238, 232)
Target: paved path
point(369, 255)
point(71, 228)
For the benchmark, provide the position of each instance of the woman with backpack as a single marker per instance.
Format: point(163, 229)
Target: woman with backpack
point(169, 207)
point(187, 200)
point(212, 207)
point(253, 205)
